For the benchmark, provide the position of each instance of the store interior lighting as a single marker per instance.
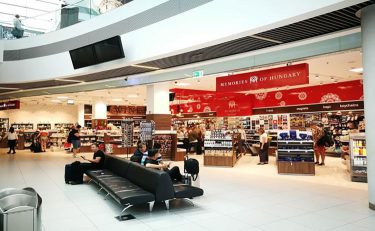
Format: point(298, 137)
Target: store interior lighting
point(357, 70)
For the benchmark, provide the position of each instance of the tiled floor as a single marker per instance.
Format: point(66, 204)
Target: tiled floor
point(246, 197)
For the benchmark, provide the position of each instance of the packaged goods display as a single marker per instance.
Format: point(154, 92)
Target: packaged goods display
point(127, 128)
point(358, 157)
point(46, 126)
point(4, 125)
point(147, 130)
point(166, 144)
point(23, 126)
point(295, 153)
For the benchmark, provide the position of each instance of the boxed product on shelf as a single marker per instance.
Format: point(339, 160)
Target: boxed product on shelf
point(295, 153)
point(358, 157)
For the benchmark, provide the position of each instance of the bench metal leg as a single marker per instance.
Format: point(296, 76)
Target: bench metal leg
point(127, 206)
point(105, 198)
point(166, 204)
point(100, 190)
point(151, 205)
point(89, 181)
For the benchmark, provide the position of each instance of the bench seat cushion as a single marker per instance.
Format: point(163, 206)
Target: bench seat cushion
point(187, 191)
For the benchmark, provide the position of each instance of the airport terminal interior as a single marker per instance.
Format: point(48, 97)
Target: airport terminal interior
point(182, 115)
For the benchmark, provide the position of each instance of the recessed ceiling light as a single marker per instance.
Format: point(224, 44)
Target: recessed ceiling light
point(316, 76)
point(357, 70)
point(181, 84)
point(132, 96)
point(55, 101)
point(62, 97)
point(117, 99)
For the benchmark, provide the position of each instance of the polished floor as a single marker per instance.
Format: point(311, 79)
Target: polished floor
point(246, 197)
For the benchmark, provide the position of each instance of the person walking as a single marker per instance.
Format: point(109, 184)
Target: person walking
point(263, 153)
point(12, 140)
point(74, 138)
point(319, 147)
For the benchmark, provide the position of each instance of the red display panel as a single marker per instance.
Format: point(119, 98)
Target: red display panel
point(329, 93)
point(14, 104)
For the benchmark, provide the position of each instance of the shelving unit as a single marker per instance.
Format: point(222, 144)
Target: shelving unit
point(42, 126)
point(127, 128)
point(4, 125)
point(63, 126)
point(358, 157)
point(295, 157)
point(23, 126)
point(87, 141)
point(168, 143)
point(221, 149)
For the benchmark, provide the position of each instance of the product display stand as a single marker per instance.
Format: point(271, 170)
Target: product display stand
point(147, 132)
point(295, 156)
point(221, 149)
point(127, 128)
point(168, 143)
point(358, 157)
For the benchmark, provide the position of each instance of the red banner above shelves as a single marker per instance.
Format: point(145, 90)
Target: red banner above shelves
point(14, 104)
point(328, 93)
point(277, 77)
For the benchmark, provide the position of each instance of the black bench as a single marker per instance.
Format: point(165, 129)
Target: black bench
point(130, 184)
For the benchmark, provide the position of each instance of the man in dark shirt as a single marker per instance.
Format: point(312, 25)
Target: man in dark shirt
point(151, 162)
point(97, 162)
point(139, 153)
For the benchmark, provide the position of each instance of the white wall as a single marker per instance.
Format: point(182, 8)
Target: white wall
point(212, 23)
point(42, 114)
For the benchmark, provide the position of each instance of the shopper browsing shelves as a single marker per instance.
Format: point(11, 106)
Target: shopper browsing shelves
point(263, 153)
point(319, 148)
point(74, 138)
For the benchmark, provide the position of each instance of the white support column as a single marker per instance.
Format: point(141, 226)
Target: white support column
point(81, 114)
point(99, 110)
point(158, 99)
point(368, 47)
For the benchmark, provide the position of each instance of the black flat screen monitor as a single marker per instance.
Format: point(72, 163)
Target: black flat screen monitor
point(100, 52)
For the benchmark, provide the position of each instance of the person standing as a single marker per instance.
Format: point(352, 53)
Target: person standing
point(193, 139)
point(74, 138)
point(43, 136)
point(12, 140)
point(18, 27)
point(319, 148)
point(242, 132)
point(263, 153)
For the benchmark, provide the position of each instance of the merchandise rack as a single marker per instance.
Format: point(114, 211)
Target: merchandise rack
point(168, 143)
point(4, 125)
point(358, 158)
point(221, 150)
point(46, 126)
point(23, 126)
point(63, 126)
point(295, 157)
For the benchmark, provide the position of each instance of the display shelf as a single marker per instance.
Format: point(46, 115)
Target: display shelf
point(42, 126)
point(295, 156)
point(127, 128)
point(23, 126)
point(168, 145)
point(4, 125)
point(358, 157)
point(63, 126)
point(219, 150)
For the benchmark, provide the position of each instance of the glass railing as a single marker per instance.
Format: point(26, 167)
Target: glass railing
point(36, 21)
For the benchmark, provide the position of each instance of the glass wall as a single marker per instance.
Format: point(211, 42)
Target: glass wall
point(43, 16)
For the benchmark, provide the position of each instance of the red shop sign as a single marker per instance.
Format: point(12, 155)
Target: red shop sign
point(14, 104)
point(277, 77)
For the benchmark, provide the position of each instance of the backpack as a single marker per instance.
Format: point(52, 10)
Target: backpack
point(69, 140)
point(191, 166)
point(326, 140)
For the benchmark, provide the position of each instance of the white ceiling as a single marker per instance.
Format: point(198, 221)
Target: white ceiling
point(323, 70)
